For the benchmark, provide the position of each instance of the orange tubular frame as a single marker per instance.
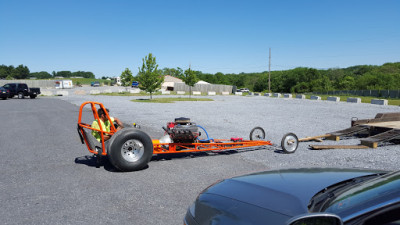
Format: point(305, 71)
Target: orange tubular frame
point(81, 125)
point(162, 148)
point(217, 145)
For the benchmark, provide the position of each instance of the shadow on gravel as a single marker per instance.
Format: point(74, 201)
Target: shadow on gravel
point(91, 161)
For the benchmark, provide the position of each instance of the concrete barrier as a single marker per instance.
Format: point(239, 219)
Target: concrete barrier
point(47, 93)
point(379, 101)
point(196, 93)
point(212, 93)
point(95, 92)
point(165, 92)
point(225, 93)
point(238, 93)
point(277, 95)
point(333, 99)
point(354, 100)
point(314, 97)
point(287, 96)
point(180, 92)
point(108, 91)
point(301, 96)
point(80, 92)
point(121, 90)
point(267, 94)
point(134, 91)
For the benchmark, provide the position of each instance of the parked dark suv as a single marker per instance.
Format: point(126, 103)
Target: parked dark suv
point(21, 90)
point(4, 93)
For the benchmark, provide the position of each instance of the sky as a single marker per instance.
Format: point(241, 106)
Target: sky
point(228, 36)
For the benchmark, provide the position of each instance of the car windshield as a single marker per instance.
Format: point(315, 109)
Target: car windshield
point(366, 196)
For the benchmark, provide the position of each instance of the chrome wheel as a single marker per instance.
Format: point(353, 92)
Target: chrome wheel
point(289, 143)
point(132, 150)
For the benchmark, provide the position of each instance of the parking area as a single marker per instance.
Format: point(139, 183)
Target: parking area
point(48, 176)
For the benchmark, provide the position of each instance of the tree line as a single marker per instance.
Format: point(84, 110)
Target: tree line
point(23, 72)
point(298, 80)
point(304, 80)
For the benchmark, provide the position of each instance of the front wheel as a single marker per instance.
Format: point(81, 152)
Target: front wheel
point(130, 149)
point(289, 143)
point(257, 133)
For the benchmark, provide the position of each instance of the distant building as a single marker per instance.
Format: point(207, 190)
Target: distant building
point(117, 81)
point(169, 82)
point(202, 82)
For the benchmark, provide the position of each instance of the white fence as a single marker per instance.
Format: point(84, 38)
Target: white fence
point(204, 88)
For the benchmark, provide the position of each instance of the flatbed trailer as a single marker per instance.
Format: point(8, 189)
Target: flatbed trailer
point(131, 149)
point(385, 127)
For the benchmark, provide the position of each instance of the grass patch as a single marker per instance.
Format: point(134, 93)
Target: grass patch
point(128, 94)
point(171, 100)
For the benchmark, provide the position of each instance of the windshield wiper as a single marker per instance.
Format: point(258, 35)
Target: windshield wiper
point(329, 193)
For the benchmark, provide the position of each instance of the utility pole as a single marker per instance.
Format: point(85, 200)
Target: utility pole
point(269, 72)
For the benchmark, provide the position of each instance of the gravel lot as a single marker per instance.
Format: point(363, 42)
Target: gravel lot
point(48, 177)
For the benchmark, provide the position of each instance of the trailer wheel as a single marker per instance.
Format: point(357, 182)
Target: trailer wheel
point(130, 149)
point(32, 96)
point(257, 133)
point(289, 143)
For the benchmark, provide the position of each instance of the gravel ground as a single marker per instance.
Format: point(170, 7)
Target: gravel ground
point(48, 176)
point(235, 116)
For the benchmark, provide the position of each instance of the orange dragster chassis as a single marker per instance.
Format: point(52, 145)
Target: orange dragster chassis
point(165, 148)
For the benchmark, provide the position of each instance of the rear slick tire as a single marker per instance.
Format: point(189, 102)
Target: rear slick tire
point(130, 149)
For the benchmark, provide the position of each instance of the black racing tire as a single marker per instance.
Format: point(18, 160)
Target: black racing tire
point(4, 98)
point(257, 133)
point(33, 96)
point(289, 143)
point(130, 149)
point(21, 95)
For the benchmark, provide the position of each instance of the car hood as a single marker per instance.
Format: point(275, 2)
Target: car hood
point(286, 192)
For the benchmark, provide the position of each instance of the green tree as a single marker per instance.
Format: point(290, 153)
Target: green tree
point(221, 78)
point(190, 79)
point(21, 72)
point(149, 76)
point(5, 71)
point(178, 72)
point(126, 77)
point(261, 84)
point(64, 74)
point(41, 75)
point(346, 83)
